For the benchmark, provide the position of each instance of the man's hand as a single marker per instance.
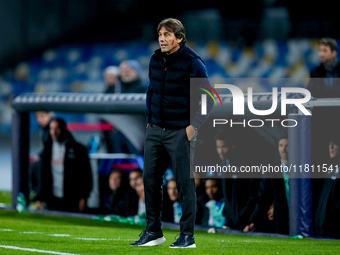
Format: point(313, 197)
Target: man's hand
point(270, 212)
point(39, 205)
point(249, 228)
point(82, 204)
point(190, 132)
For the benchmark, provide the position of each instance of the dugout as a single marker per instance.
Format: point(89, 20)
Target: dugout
point(300, 138)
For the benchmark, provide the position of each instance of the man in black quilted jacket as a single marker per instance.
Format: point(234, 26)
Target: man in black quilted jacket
point(172, 123)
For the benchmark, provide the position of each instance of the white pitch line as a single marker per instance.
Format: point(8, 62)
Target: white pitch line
point(31, 232)
point(92, 239)
point(102, 239)
point(67, 235)
point(35, 250)
point(2, 205)
point(42, 233)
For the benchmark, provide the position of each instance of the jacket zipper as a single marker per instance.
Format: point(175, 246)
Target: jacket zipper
point(162, 100)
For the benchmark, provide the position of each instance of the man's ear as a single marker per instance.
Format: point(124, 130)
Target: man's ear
point(334, 53)
point(179, 40)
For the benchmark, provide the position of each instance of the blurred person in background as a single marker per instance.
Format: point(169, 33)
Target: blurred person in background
point(131, 77)
point(272, 207)
point(119, 201)
point(240, 194)
point(324, 81)
point(141, 196)
point(112, 81)
point(123, 79)
point(133, 176)
point(326, 219)
point(211, 207)
point(170, 132)
point(111, 76)
point(43, 119)
point(172, 210)
point(199, 184)
point(66, 177)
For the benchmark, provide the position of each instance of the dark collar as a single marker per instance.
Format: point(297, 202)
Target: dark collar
point(171, 56)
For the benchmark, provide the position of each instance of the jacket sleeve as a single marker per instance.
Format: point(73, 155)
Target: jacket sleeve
point(202, 212)
point(247, 210)
point(149, 92)
point(264, 200)
point(86, 173)
point(335, 207)
point(198, 70)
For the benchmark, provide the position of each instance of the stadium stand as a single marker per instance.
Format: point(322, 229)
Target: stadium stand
point(79, 68)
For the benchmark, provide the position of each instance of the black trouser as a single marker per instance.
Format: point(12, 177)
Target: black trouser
point(163, 146)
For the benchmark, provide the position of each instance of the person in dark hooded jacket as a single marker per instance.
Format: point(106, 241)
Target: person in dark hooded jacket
point(273, 199)
point(65, 172)
point(326, 219)
point(239, 194)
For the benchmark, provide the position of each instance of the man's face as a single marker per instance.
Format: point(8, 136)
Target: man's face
point(222, 149)
point(333, 149)
point(133, 178)
point(326, 54)
point(43, 118)
point(168, 41)
point(198, 181)
point(211, 189)
point(55, 131)
point(127, 73)
point(110, 79)
point(115, 180)
point(283, 149)
point(172, 191)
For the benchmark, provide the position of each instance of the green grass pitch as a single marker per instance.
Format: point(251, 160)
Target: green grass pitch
point(42, 234)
